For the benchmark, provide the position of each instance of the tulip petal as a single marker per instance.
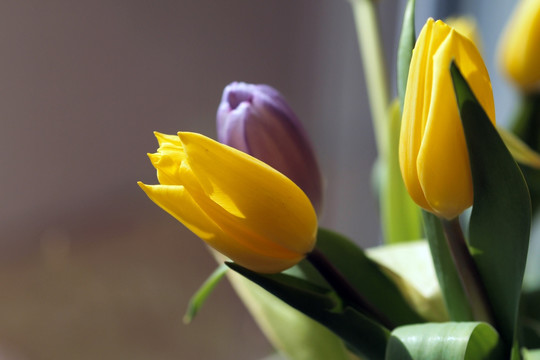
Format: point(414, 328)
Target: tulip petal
point(232, 178)
point(443, 160)
point(416, 102)
point(177, 201)
point(223, 211)
point(257, 120)
point(173, 170)
point(167, 169)
point(520, 45)
point(166, 161)
point(167, 139)
point(231, 125)
point(443, 163)
point(280, 142)
point(433, 153)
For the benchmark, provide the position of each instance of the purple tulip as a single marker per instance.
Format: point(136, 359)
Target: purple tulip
point(257, 120)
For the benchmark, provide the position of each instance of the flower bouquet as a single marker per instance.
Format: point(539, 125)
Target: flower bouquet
point(456, 194)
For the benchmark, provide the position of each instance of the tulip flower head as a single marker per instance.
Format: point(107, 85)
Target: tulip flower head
point(520, 46)
point(432, 152)
point(237, 204)
point(257, 120)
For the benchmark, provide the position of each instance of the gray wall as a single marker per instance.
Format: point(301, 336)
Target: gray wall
point(85, 84)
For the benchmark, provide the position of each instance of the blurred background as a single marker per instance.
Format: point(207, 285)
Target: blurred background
point(89, 267)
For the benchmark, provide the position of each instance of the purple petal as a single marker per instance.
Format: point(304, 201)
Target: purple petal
point(256, 119)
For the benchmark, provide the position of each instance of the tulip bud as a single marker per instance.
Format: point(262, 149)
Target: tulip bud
point(432, 152)
point(257, 120)
point(237, 204)
point(519, 49)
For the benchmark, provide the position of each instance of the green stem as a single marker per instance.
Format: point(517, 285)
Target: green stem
point(344, 289)
point(371, 52)
point(400, 217)
point(467, 272)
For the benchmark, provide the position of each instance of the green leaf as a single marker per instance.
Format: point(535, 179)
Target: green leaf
point(500, 221)
point(367, 277)
point(364, 336)
point(400, 216)
point(198, 299)
point(407, 40)
point(451, 288)
point(531, 354)
point(521, 152)
point(294, 334)
point(465, 340)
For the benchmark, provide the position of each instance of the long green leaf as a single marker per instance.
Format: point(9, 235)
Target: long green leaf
point(294, 334)
point(531, 354)
point(466, 340)
point(198, 299)
point(407, 40)
point(521, 152)
point(451, 288)
point(400, 216)
point(364, 336)
point(367, 277)
point(500, 220)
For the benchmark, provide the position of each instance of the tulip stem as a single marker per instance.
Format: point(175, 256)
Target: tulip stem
point(344, 288)
point(400, 218)
point(371, 52)
point(467, 272)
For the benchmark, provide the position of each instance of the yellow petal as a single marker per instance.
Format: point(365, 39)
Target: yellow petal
point(167, 139)
point(244, 231)
point(272, 206)
point(520, 46)
point(433, 153)
point(177, 201)
point(167, 169)
point(443, 161)
point(416, 104)
point(466, 26)
point(166, 161)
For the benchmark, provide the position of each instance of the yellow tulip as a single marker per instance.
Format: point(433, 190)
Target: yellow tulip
point(519, 49)
point(432, 151)
point(237, 204)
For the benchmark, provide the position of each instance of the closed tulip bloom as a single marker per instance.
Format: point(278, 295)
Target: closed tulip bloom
point(237, 204)
point(520, 46)
point(257, 120)
point(432, 151)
